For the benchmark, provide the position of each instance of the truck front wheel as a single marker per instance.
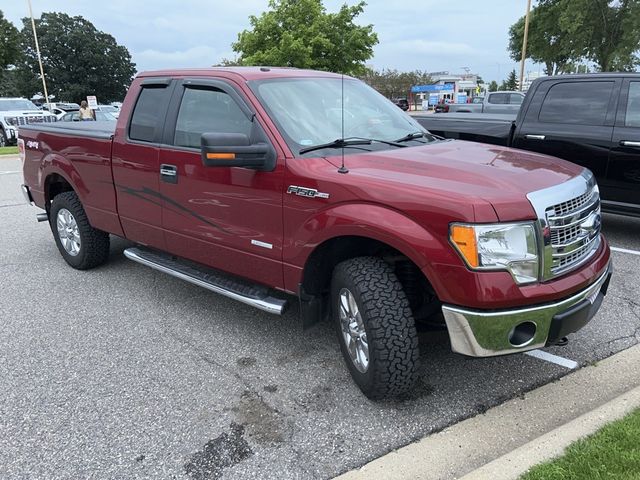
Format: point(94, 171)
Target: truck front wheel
point(375, 327)
point(81, 245)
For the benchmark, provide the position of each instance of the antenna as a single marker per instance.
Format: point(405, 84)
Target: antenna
point(342, 168)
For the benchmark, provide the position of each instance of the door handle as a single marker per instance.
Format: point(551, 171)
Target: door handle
point(169, 173)
point(628, 143)
point(535, 137)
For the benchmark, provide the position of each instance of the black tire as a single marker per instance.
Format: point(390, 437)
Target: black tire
point(3, 138)
point(388, 322)
point(93, 245)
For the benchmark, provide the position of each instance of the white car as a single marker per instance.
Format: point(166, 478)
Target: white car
point(19, 111)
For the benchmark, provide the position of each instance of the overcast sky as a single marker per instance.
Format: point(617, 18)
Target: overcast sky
point(431, 35)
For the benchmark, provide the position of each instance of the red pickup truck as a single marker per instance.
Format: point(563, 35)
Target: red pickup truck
point(254, 181)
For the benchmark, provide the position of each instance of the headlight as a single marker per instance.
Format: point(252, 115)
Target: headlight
point(510, 246)
point(13, 121)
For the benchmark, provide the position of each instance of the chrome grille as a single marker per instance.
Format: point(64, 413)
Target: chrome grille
point(569, 217)
point(36, 119)
point(575, 232)
point(572, 205)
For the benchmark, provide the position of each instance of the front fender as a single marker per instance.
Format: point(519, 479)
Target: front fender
point(377, 222)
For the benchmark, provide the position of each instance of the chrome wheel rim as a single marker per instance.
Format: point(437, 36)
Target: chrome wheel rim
point(68, 232)
point(354, 334)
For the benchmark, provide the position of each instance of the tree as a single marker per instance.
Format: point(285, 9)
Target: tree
point(511, 83)
point(548, 41)
point(493, 86)
point(608, 31)
point(78, 60)
point(300, 33)
point(392, 83)
point(9, 43)
point(562, 33)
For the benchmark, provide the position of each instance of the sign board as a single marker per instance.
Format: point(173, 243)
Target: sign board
point(432, 88)
point(92, 101)
point(462, 98)
point(433, 98)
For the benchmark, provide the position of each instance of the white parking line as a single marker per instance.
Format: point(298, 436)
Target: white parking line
point(548, 357)
point(8, 173)
point(625, 250)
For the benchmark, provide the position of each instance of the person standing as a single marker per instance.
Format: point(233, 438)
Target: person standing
point(85, 112)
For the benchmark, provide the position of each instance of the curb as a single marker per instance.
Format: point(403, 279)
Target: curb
point(510, 438)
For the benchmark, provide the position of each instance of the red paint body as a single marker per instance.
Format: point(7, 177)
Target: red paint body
point(405, 198)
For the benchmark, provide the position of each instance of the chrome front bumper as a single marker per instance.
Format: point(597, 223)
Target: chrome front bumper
point(478, 333)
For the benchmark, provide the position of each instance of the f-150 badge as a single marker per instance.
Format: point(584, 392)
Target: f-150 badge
point(306, 192)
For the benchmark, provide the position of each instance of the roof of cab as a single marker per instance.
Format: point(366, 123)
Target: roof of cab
point(246, 73)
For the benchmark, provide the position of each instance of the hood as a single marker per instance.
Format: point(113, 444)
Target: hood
point(466, 172)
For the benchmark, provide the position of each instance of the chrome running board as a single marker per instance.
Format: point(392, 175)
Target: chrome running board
point(250, 294)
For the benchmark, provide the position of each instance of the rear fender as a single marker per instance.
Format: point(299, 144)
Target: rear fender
point(54, 163)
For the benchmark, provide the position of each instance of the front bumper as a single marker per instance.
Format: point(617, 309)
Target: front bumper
point(480, 333)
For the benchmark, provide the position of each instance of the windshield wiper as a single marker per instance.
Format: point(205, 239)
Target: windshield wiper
point(410, 136)
point(338, 143)
point(348, 142)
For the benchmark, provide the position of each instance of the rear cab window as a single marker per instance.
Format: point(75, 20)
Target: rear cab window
point(148, 114)
point(499, 98)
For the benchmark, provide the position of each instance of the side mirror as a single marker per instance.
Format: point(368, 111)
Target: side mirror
point(236, 150)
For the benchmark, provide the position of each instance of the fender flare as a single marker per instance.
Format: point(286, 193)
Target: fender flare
point(371, 221)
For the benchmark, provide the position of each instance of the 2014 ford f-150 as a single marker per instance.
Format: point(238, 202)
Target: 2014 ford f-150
point(251, 181)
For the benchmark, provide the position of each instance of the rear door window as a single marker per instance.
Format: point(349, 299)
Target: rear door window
point(633, 106)
point(148, 115)
point(581, 103)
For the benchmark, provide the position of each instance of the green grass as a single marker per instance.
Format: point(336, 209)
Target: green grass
point(8, 150)
point(611, 453)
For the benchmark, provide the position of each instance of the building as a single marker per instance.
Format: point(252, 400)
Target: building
point(447, 88)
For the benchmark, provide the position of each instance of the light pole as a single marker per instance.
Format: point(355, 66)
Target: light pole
point(35, 36)
point(524, 43)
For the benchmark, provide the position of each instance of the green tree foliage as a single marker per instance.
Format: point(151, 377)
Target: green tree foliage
point(563, 33)
point(493, 86)
point(9, 43)
point(608, 31)
point(511, 83)
point(549, 42)
point(9, 54)
point(78, 60)
point(392, 83)
point(300, 33)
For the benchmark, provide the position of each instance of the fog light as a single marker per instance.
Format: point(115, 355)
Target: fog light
point(522, 334)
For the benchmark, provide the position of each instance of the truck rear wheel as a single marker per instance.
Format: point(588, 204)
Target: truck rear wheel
point(375, 327)
point(82, 246)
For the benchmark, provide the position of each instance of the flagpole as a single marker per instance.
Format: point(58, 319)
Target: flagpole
point(524, 44)
point(35, 36)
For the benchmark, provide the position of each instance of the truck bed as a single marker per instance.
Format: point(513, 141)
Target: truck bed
point(103, 130)
point(477, 127)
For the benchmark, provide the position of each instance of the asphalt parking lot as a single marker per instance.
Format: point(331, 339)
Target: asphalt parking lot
point(124, 372)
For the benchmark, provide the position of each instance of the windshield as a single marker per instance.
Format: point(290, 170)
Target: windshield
point(108, 108)
point(308, 112)
point(16, 104)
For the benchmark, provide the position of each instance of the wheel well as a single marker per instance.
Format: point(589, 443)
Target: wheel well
point(54, 185)
point(318, 270)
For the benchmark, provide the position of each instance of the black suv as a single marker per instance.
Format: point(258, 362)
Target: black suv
point(402, 103)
